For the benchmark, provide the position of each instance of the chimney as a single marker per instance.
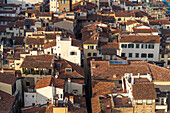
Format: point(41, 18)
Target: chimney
point(54, 30)
point(132, 80)
point(71, 98)
point(138, 75)
point(93, 59)
point(2, 70)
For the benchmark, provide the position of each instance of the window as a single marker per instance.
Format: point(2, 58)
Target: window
point(119, 19)
point(94, 54)
point(65, 1)
point(73, 53)
point(130, 45)
point(124, 45)
point(148, 101)
point(33, 104)
point(162, 101)
point(123, 54)
point(60, 95)
point(26, 5)
point(32, 96)
point(27, 83)
point(168, 62)
point(150, 55)
point(151, 46)
point(128, 8)
point(139, 101)
point(61, 1)
point(130, 55)
point(99, 51)
point(68, 70)
point(88, 54)
point(162, 55)
point(10, 28)
point(120, 82)
point(137, 45)
point(143, 55)
point(144, 46)
point(137, 55)
point(90, 47)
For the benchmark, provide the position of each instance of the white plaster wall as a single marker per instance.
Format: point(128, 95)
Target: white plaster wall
point(64, 48)
point(74, 86)
point(43, 94)
point(29, 98)
point(59, 91)
point(140, 50)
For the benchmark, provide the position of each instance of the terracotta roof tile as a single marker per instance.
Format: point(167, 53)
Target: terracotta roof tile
point(77, 71)
point(102, 88)
point(6, 102)
point(104, 70)
point(37, 61)
point(34, 41)
point(124, 14)
point(140, 38)
point(59, 83)
point(50, 44)
point(144, 91)
point(8, 78)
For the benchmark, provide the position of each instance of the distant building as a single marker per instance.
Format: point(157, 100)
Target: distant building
point(140, 47)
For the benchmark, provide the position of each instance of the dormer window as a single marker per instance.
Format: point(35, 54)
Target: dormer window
point(68, 70)
point(139, 102)
point(149, 101)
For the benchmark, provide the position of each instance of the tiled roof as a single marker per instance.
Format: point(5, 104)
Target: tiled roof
point(154, 22)
point(143, 30)
point(95, 105)
point(104, 70)
point(18, 40)
point(44, 14)
point(34, 41)
point(50, 44)
point(8, 78)
point(124, 14)
point(122, 102)
point(37, 61)
point(17, 55)
point(131, 22)
point(92, 40)
point(140, 13)
point(109, 48)
point(144, 91)
point(77, 71)
point(76, 42)
point(59, 83)
point(6, 102)
point(34, 109)
point(102, 88)
point(78, 100)
point(10, 19)
point(140, 38)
